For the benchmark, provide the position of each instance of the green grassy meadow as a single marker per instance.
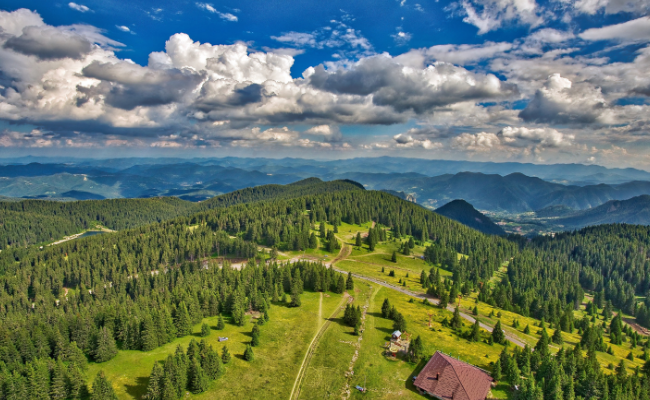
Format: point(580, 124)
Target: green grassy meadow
point(284, 341)
point(386, 378)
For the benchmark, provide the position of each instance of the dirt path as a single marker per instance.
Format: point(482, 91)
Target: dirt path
point(297, 384)
point(347, 391)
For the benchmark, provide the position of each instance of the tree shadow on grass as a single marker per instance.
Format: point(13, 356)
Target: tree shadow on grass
point(240, 356)
point(338, 320)
point(139, 389)
point(375, 314)
point(388, 331)
point(409, 382)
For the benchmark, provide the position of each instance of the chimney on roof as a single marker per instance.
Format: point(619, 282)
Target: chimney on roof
point(437, 376)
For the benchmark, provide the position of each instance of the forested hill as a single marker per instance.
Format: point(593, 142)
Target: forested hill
point(466, 214)
point(633, 211)
point(547, 279)
point(35, 221)
point(143, 287)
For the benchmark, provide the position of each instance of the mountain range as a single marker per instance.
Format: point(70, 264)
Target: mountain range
point(632, 211)
point(558, 193)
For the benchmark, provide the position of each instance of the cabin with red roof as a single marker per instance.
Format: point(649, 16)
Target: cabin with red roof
point(447, 378)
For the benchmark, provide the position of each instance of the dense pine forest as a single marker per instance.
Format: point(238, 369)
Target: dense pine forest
point(35, 221)
point(139, 288)
point(550, 275)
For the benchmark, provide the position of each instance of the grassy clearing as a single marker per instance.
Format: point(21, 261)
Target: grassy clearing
point(285, 339)
point(387, 378)
point(390, 379)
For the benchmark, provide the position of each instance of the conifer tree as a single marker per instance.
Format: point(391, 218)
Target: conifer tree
point(497, 333)
point(197, 378)
point(248, 353)
point(74, 355)
point(385, 309)
point(255, 336)
point(416, 350)
point(102, 388)
point(225, 355)
point(349, 283)
point(557, 337)
point(399, 323)
point(76, 383)
point(148, 334)
point(476, 332)
point(106, 348)
point(212, 364)
point(393, 258)
point(496, 370)
point(340, 286)
point(205, 330)
point(541, 347)
point(616, 329)
point(58, 384)
point(456, 322)
point(220, 324)
point(154, 389)
point(169, 390)
point(183, 322)
point(357, 240)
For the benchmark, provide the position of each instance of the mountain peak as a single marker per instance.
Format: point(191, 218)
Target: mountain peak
point(465, 213)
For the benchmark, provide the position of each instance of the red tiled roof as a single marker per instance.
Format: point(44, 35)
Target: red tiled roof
point(448, 378)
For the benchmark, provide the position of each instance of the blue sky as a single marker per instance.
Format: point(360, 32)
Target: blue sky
point(520, 80)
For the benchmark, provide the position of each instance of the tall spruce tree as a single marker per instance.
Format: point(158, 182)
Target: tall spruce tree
point(197, 379)
point(183, 321)
point(102, 388)
point(105, 348)
point(349, 283)
point(498, 336)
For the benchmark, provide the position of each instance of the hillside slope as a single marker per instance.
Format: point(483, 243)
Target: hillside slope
point(23, 220)
point(633, 211)
point(466, 214)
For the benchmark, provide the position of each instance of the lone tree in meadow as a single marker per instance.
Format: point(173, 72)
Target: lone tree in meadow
point(393, 258)
point(385, 309)
point(220, 323)
point(225, 355)
point(357, 240)
point(248, 353)
point(497, 334)
point(205, 330)
point(476, 332)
